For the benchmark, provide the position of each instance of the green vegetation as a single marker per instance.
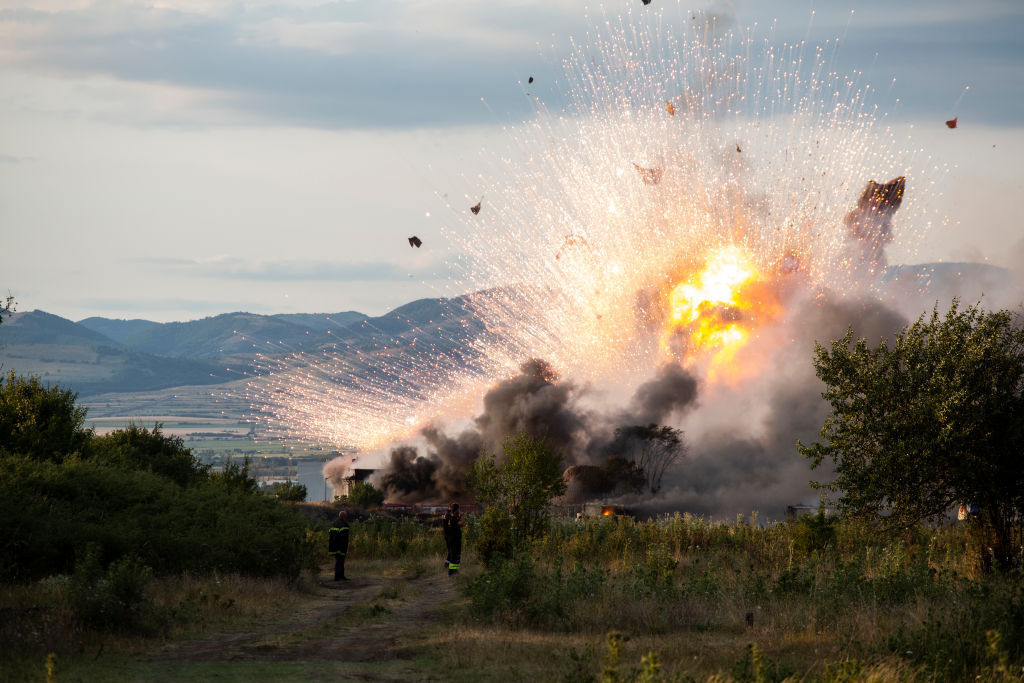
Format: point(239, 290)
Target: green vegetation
point(912, 602)
point(364, 495)
point(288, 491)
point(517, 494)
point(934, 421)
point(127, 541)
point(133, 493)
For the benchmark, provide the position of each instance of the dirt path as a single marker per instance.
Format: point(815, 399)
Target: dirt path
point(361, 620)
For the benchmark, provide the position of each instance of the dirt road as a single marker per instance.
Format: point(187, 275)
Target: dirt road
point(364, 620)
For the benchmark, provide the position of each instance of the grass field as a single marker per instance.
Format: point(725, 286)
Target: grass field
point(605, 600)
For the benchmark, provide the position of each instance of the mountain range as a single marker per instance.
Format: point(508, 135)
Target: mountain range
point(107, 361)
point(103, 355)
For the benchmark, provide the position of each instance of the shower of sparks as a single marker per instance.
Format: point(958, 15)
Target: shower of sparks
point(695, 182)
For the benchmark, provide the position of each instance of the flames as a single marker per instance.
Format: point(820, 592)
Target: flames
point(715, 311)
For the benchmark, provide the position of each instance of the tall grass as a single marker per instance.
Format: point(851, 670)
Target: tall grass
point(916, 597)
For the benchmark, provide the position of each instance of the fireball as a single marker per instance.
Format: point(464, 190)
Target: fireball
point(714, 312)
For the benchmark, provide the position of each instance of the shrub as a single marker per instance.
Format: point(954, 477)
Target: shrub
point(41, 422)
point(365, 495)
point(52, 511)
point(114, 599)
point(502, 592)
point(153, 451)
point(289, 491)
point(494, 544)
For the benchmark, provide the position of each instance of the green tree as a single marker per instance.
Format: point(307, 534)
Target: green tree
point(290, 491)
point(40, 421)
point(139, 448)
point(521, 486)
point(365, 495)
point(235, 477)
point(930, 422)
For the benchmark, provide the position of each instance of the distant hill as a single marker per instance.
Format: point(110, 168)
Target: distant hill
point(104, 356)
point(118, 330)
point(221, 335)
point(39, 327)
point(321, 322)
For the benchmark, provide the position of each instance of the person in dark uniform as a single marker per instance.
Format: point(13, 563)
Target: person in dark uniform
point(337, 545)
point(451, 525)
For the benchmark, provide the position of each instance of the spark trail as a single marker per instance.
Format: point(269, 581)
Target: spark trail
point(678, 145)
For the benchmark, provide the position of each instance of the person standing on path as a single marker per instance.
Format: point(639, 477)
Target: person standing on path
point(451, 525)
point(337, 545)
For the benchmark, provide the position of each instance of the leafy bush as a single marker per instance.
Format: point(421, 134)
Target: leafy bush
point(52, 511)
point(493, 536)
point(365, 495)
point(114, 599)
point(153, 451)
point(41, 422)
point(814, 532)
point(290, 491)
point(234, 478)
point(504, 591)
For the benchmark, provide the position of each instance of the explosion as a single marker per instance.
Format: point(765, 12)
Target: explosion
point(696, 194)
point(716, 310)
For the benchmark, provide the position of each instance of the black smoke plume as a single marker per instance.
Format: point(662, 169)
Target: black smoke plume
point(537, 403)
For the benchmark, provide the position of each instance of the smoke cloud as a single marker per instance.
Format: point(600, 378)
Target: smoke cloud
point(741, 437)
point(535, 402)
point(746, 458)
point(741, 440)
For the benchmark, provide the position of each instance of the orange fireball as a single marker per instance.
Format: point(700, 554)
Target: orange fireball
point(714, 312)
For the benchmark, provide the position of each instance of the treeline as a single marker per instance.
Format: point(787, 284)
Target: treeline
point(133, 494)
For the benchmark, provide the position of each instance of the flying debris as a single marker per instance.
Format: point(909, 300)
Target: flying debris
point(882, 198)
point(530, 80)
point(571, 240)
point(738, 148)
point(415, 241)
point(650, 176)
point(646, 2)
point(669, 108)
point(952, 123)
point(476, 209)
point(870, 222)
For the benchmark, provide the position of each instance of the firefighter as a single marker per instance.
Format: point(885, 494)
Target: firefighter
point(451, 524)
point(337, 545)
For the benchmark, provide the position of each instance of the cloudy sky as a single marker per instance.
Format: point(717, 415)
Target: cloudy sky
point(174, 159)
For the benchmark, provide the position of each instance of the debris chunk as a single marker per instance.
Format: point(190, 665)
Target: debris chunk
point(650, 176)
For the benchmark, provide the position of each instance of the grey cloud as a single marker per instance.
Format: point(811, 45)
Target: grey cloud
point(392, 79)
point(398, 77)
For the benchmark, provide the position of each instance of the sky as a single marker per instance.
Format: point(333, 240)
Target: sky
point(176, 159)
